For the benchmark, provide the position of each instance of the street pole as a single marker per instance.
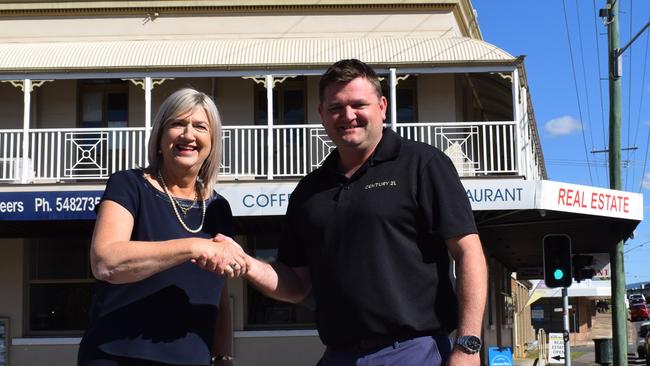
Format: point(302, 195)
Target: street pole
point(619, 319)
point(565, 316)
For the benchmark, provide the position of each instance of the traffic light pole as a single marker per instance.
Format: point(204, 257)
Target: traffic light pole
point(565, 316)
point(619, 318)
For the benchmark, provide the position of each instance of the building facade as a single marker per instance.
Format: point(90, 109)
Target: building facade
point(81, 80)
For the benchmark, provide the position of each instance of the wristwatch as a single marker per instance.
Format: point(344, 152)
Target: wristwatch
point(469, 344)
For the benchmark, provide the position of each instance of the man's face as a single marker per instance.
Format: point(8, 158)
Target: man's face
point(353, 115)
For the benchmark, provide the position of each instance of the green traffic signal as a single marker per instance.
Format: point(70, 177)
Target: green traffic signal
point(557, 260)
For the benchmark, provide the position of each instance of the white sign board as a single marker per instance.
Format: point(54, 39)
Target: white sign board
point(555, 348)
point(497, 194)
point(251, 199)
point(589, 200)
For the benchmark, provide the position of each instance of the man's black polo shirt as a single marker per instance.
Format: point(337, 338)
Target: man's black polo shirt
point(374, 243)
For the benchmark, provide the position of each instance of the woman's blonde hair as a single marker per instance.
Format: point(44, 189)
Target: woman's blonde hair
point(180, 103)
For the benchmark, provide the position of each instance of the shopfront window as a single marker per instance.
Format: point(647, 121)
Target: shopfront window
point(265, 313)
point(60, 284)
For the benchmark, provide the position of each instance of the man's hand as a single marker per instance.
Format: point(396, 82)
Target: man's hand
point(223, 255)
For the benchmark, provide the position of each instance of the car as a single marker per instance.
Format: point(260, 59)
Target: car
point(637, 299)
point(641, 350)
point(639, 312)
point(632, 296)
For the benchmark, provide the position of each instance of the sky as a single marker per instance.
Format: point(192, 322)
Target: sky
point(565, 44)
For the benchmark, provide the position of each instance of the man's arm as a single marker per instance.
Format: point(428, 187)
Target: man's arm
point(471, 289)
point(275, 280)
point(279, 281)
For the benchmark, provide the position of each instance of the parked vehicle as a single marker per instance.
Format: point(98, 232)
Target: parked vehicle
point(636, 296)
point(641, 340)
point(639, 312)
point(637, 299)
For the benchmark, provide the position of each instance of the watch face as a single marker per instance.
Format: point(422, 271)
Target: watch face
point(471, 344)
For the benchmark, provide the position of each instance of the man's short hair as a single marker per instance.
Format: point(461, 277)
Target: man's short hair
point(347, 70)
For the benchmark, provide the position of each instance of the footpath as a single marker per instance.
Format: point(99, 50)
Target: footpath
point(584, 355)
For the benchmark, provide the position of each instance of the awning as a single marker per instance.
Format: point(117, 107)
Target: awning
point(210, 54)
point(586, 288)
point(513, 215)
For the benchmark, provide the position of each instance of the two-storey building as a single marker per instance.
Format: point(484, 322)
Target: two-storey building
point(81, 81)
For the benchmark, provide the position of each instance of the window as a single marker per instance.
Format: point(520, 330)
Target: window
point(104, 103)
point(289, 100)
point(265, 313)
point(59, 286)
point(406, 98)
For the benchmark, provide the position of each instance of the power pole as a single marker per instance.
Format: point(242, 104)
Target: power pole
point(619, 319)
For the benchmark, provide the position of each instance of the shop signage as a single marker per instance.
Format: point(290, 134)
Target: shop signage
point(250, 199)
point(500, 194)
point(262, 199)
point(590, 200)
point(555, 348)
point(52, 205)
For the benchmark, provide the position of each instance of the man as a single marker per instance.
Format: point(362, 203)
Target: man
point(367, 232)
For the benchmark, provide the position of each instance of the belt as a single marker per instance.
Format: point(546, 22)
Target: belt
point(376, 342)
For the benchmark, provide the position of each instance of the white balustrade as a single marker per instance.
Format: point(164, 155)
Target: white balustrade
point(475, 148)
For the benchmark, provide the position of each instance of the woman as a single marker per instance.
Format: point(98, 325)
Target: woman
point(153, 303)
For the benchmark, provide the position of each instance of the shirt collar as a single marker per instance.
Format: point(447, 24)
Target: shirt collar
point(387, 149)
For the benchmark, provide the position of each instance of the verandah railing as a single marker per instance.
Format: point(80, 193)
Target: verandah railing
point(476, 149)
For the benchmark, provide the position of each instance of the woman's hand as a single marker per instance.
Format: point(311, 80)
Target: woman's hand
point(223, 255)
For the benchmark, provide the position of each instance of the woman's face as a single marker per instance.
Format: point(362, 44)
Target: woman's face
point(186, 141)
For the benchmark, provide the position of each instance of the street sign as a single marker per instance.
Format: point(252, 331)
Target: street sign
point(555, 348)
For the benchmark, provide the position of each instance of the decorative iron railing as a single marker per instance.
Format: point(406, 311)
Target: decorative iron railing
point(475, 148)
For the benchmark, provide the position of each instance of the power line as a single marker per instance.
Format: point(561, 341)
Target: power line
point(575, 83)
point(636, 246)
point(629, 97)
point(600, 86)
point(638, 121)
point(645, 160)
point(584, 79)
point(597, 163)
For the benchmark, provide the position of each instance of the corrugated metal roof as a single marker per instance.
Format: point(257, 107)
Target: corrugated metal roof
point(241, 53)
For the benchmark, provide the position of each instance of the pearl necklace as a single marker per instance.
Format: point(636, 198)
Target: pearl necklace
point(178, 215)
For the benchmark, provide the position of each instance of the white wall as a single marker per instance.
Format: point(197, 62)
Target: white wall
point(11, 106)
point(436, 98)
point(171, 26)
point(56, 104)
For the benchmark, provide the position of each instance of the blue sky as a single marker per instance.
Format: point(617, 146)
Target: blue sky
point(571, 102)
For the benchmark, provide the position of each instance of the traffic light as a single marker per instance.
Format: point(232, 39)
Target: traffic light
point(582, 267)
point(557, 260)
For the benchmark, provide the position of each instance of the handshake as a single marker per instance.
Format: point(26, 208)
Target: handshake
point(222, 255)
